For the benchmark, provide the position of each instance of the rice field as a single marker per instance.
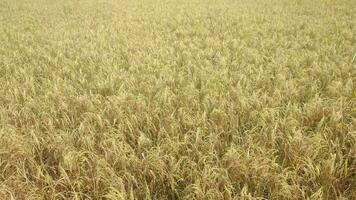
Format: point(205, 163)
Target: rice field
point(177, 99)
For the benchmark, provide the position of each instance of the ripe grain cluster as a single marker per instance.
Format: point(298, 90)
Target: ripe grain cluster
point(177, 99)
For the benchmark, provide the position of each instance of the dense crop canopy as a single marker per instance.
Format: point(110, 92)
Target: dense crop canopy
point(177, 99)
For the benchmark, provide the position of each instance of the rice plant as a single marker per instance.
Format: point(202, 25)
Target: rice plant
point(177, 99)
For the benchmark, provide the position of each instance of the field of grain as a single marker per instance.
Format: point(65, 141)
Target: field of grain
point(177, 99)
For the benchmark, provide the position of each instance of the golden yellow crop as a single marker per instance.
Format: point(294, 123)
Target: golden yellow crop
point(177, 99)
